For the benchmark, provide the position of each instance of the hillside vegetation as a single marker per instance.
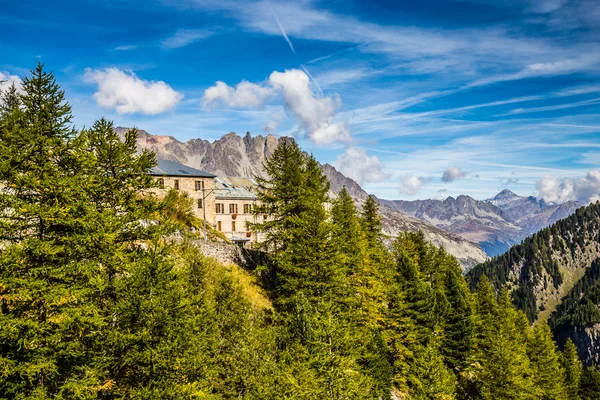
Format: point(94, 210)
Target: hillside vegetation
point(98, 301)
point(535, 270)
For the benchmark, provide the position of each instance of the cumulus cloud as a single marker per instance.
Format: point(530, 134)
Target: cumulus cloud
point(314, 113)
point(244, 95)
point(356, 164)
point(7, 80)
point(124, 92)
point(585, 189)
point(184, 37)
point(411, 184)
point(452, 174)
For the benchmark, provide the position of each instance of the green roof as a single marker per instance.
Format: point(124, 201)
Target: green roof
point(172, 168)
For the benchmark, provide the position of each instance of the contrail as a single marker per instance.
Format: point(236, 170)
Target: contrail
point(287, 39)
point(313, 79)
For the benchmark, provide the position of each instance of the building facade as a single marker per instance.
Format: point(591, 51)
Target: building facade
point(226, 203)
point(235, 199)
point(198, 184)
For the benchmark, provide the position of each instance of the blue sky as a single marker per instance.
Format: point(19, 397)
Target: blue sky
point(423, 99)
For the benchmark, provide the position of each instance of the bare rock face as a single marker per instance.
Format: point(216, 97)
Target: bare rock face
point(234, 155)
point(496, 224)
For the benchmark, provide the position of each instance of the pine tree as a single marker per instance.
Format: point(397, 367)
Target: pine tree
point(46, 318)
point(297, 230)
point(419, 294)
point(573, 369)
point(457, 339)
point(548, 374)
point(433, 379)
point(371, 221)
point(502, 352)
point(589, 386)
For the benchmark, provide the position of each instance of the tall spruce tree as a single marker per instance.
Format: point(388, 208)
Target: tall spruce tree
point(298, 231)
point(573, 369)
point(46, 320)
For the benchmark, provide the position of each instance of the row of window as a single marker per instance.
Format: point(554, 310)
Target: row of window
point(198, 185)
point(220, 226)
point(233, 208)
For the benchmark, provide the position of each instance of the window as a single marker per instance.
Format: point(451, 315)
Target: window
point(199, 185)
point(161, 183)
point(233, 209)
point(176, 184)
point(232, 226)
point(220, 208)
point(199, 203)
point(247, 208)
point(219, 227)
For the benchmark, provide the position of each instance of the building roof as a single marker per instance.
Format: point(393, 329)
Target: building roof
point(231, 187)
point(172, 168)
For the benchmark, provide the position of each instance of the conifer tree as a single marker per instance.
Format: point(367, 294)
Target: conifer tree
point(589, 386)
point(371, 221)
point(548, 375)
point(501, 350)
point(44, 283)
point(297, 230)
point(419, 295)
point(433, 379)
point(457, 337)
point(573, 369)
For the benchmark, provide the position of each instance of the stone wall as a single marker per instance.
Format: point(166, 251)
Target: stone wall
point(232, 254)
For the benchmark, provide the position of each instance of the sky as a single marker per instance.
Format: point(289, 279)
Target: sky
point(412, 99)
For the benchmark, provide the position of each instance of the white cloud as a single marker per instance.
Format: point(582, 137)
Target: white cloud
point(244, 95)
point(551, 108)
point(184, 37)
point(126, 47)
point(127, 94)
point(584, 190)
point(356, 164)
point(453, 173)
point(590, 157)
point(411, 184)
point(314, 113)
point(271, 126)
point(7, 80)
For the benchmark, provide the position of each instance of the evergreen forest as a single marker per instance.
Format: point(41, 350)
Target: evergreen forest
point(104, 293)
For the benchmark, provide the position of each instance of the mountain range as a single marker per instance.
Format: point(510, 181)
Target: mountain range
point(234, 155)
point(495, 224)
point(555, 275)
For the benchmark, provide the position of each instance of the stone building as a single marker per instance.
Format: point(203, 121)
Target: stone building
point(225, 202)
point(198, 184)
point(235, 198)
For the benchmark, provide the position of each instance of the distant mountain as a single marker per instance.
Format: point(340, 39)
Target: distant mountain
point(234, 155)
point(555, 274)
point(496, 224)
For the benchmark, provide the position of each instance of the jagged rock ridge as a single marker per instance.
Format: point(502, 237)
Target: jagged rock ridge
point(234, 155)
point(496, 224)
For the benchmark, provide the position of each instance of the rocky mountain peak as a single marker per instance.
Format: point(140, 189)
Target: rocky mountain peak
point(506, 195)
point(234, 155)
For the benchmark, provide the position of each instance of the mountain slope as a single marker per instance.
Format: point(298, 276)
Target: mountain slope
point(544, 274)
point(234, 155)
point(496, 224)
